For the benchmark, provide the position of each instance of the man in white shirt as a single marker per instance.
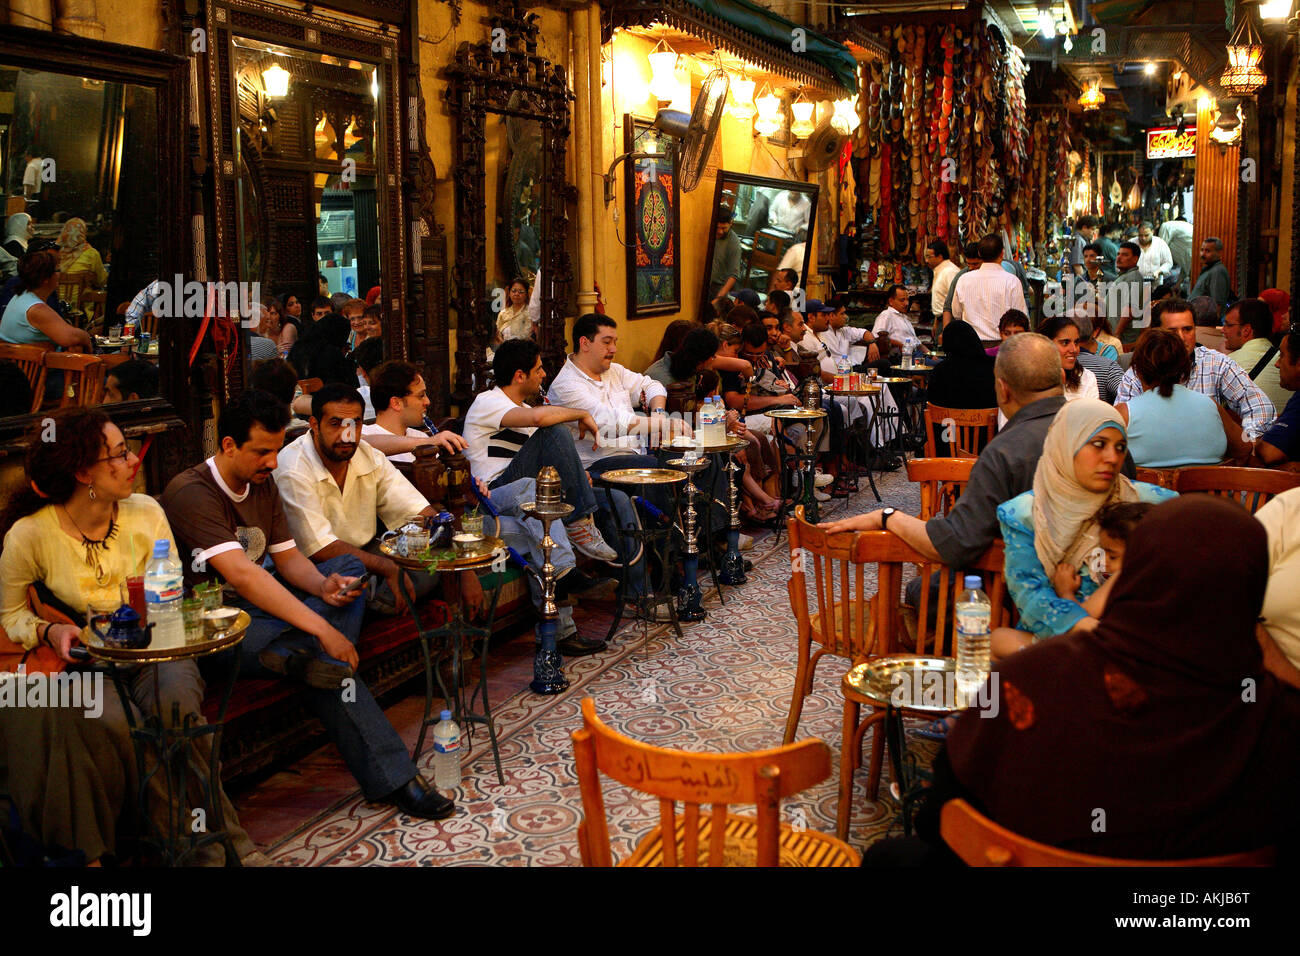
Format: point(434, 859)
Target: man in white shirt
point(945, 271)
point(892, 324)
point(32, 176)
point(591, 381)
point(1156, 261)
point(336, 489)
point(790, 211)
point(983, 295)
point(399, 397)
point(1177, 234)
point(787, 281)
point(840, 337)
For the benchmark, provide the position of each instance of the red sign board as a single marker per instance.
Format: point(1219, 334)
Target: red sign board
point(1168, 144)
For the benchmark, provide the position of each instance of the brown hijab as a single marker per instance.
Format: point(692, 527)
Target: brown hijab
point(1159, 735)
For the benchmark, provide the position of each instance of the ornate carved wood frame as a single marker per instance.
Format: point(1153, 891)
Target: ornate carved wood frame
point(483, 78)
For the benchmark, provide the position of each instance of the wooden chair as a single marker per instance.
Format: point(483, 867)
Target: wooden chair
point(981, 842)
point(843, 625)
point(72, 285)
point(974, 428)
point(942, 481)
point(31, 359)
point(891, 554)
point(1249, 487)
point(310, 385)
point(112, 360)
point(148, 323)
point(93, 304)
point(1163, 477)
point(83, 378)
point(762, 777)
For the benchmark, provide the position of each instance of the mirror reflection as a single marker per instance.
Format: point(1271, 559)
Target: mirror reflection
point(760, 228)
point(77, 167)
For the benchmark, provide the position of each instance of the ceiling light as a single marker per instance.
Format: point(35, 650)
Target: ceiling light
point(1149, 69)
point(1046, 21)
point(803, 112)
point(742, 90)
point(845, 117)
point(769, 114)
point(1275, 9)
point(1092, 98)
point(1063, 26)
point(275, 79)
point(663, 74)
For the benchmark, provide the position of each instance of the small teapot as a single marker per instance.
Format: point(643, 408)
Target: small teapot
point(124, 629)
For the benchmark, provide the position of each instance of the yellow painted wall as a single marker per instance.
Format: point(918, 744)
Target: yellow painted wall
point(132, 23)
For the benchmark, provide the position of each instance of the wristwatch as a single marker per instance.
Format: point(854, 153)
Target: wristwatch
point(885, 514)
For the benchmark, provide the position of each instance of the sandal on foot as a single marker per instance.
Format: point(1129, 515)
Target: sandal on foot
point(934, 730)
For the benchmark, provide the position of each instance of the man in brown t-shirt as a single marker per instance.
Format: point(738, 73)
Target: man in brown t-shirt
point(228, 518)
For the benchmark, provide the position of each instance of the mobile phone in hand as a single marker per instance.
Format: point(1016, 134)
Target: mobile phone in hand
point(356, 585)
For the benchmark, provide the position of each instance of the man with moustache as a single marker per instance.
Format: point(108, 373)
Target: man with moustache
point(227, 518)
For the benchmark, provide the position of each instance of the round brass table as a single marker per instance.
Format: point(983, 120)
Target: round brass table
point(805, 460)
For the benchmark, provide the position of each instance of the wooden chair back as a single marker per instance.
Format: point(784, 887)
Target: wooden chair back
point(310, 385)
point(681, 399)
point(83, 377)
point(31, 359)
point(965, 430)
point(1252, 488)
point(843, 594)
point(1162, 477)
point(981, 842)
point(93, 304)
point(72, 285)
point(148, 323)
point(112, 360)
point(942, 481)
point(761, 777)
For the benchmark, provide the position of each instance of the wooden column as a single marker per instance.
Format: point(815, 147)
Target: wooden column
point(1218, 174)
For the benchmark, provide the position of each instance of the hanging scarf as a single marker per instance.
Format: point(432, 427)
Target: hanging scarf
point(72, 242)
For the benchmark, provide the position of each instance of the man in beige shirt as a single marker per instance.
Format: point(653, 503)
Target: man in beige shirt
point(1246, 329)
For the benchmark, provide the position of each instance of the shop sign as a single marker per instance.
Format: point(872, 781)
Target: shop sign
point(1168, 144)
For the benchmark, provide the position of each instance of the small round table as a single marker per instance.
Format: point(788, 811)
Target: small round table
point(653, 538)
point(733, 564)
point(174, 744)
point(492, 555)
point(859, 433)
point(899, 684)
point(805, 459)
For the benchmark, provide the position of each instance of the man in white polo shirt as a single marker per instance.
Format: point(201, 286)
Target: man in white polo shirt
point(400, 399)
point(982, 296)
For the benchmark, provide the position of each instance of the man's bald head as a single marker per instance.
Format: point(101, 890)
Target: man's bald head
point(1029, 365)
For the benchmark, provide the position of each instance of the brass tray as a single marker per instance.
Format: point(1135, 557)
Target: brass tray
point(643, 476)
point(921, 684)
point(690, 467)
point(804, 414)
point(479, 558)
point(730, 445)
point(854, 392)
point(169, 645)
point(915, 370)
point(126, 341)
point(895, 380)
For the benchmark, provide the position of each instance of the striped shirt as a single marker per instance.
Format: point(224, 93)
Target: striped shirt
point(1222, 379)
point(490, 445)
point(1108, 373)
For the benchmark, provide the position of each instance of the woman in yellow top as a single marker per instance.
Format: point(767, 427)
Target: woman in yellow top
point(77, 255)
point(78, 530)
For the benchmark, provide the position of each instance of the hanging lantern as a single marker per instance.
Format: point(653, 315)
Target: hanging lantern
point(1244, 75)
point(275, 79)
point(1092, 98)
point(742, 90)
point(845, 118)
point(769, 114)
point(803, 113)
point(1228, 127)
point(663, 73)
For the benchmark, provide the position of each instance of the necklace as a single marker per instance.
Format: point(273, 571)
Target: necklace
point(96, 547)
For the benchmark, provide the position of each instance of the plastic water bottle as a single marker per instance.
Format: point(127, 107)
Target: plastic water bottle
point(446, 752)
point(907, 351)
point(843, 369)
point(713, 425)
point(973, 614)
point(163, 584)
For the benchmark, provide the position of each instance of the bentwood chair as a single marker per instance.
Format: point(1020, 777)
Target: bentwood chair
point(72, 285)
point(892, 555)
point(92, 306)
point(31, 359)
point(83, 378)
point(942, 481)
point(981, 842)
point(718, 838)
point(842, 624)
point(965, 431)
point(1252, 488)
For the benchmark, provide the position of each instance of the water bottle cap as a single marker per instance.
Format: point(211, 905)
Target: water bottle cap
point(973, 582)
point(445, 715)
point(161, 548)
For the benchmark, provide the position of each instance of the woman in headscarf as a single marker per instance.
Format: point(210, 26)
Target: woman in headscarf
point(78, 255)
point(964, 379)
point(1279, 303)
point(1180, 743)
point(1050, 532)
point(18, 231)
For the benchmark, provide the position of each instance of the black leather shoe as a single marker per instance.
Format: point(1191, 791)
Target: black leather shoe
point(575, 646)
point(420, 799)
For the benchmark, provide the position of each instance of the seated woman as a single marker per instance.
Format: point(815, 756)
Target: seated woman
point(27, 319)
point(1169, 425)
point(78, 255)
point(521, 314)
point(1080, 382)
point(290, 322)
point(76, 533)
point(1108, 345)
point(763, 459)
point(964, 379)
point(1122, 718)
point(756, 504)
point(1051, 531)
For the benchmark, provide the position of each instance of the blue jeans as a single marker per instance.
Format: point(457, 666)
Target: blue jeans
point(370, 746)
point(552, 445)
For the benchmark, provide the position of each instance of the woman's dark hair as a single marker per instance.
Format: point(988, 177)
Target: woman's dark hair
point(252, 407)
point(1051, 328)
point(1100, 324)
point(518, 280)
point(36, 267)
point(275, 376)
point(1161, 361)
point(1119, 520)
point(673, 334)
point(1013, 317)
point(706, 383)
point(740, 315)
point(271, 302)
point(698, 347)
point(52, 466)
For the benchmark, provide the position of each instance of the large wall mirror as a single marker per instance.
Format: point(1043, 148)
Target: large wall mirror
point(772, 221)
point(91, 148)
